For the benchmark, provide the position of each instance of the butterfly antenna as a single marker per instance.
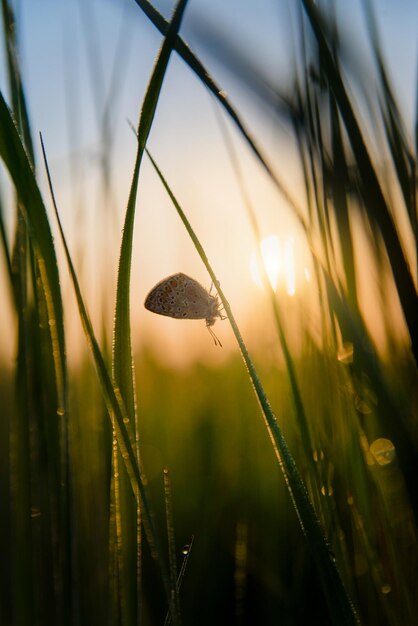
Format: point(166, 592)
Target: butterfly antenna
point(214, 337)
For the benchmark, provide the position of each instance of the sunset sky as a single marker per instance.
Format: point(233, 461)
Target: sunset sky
point(84, 62)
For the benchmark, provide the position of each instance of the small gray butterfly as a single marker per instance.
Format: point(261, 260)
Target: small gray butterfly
point(182, 297)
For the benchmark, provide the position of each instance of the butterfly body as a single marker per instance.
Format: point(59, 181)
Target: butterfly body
point(182, 297)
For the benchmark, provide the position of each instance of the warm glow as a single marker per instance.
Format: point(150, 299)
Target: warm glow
point(279, 262)
point(271, 255)
point(289, 266)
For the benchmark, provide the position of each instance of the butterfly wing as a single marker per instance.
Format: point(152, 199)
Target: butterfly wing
point(181, 297)
point(198, 301)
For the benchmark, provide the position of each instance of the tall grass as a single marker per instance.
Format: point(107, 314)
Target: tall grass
point(85, 537)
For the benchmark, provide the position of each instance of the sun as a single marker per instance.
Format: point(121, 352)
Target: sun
point(278, 255)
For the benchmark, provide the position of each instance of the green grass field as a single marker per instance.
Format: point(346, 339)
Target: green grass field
point(246, 492)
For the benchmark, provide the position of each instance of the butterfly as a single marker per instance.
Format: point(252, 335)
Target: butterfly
point(182, 297)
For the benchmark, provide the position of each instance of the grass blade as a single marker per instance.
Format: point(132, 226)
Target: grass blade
point(339, 603)
point(122, 361)
point(394, 127)
point(201, 72)
point(122, 353)
point(42, 418)
point(392, 420)
point(372, 193)
point(114, 403)
point(168, 497)
point(186, 555)
point(278, 318)
point(339, 182)
point(5, 244)
point(14, 156)
point(15, 79)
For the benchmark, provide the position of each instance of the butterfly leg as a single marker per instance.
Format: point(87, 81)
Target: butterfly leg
point(212, 286)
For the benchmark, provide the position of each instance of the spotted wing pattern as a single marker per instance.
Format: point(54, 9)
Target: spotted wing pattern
point(182, 297)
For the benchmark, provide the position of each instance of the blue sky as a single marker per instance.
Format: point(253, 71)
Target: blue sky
point(55, 43)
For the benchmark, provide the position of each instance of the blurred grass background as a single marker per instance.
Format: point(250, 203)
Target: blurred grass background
point(346, 397)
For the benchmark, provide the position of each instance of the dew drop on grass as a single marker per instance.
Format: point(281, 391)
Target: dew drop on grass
point(332, 555)
point(60, 411)
point(185, 549)
point(126, 420)
point(386, 589)
point(383, 451)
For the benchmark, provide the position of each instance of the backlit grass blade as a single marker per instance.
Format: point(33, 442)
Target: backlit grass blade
point(339, 185)
point(168, 497)
point(391, 418)
point(122, 362)
point(401, 153)
point(20, 452)
point(15, 79)
point(201, 72)
point(339, 603)
point(305, 156)
point(122, 352)
point(16, 161)
point(114, 404)
point(290, 365)
point(39, 435)
point(372, 194)
point(186, 555)
point(5, 243)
